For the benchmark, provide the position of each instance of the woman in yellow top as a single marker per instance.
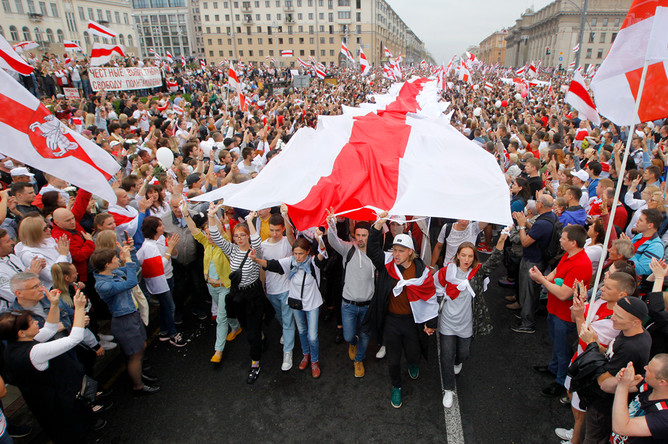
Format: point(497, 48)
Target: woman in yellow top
point(217, 275)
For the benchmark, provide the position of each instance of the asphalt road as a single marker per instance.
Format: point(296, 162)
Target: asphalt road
point(498, 392)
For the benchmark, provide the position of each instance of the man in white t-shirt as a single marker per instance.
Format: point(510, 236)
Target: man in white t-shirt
point(457, 233)
point(278, 285)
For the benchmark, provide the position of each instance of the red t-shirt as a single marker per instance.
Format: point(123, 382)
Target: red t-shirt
point(569, 269)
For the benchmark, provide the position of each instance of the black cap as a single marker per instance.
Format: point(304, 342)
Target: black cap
point(633, 305)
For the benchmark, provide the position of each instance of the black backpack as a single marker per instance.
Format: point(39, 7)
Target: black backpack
point(553, 252)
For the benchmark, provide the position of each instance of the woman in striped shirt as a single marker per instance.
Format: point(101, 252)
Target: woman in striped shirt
point(248, 296)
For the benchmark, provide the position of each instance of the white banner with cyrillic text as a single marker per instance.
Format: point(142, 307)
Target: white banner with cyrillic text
point(115, 79)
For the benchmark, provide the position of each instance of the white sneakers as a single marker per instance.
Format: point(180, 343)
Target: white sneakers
point(381, 352)
point(108, 345)
point(105, 338)
point(448, 396)
point(287, 361)
point(565, 434)
point(458, 368)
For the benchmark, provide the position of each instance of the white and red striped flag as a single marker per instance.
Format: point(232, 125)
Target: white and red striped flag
point(9, 59)
point(169, 57)
point(387, 52)
point(183, 61)
point(520, 71)
point(388, 73)
point(364, 63)
point(391, 161)
point(25, 46)
point(101, 53)
point(578, 97)
point(532, 70)
point(68, 60)
point(303, 63)
point(464, 73)
point(126, 219)
point(320, 70)
point(72, 46)
point(33, 135)
point(489, 86)
point(642, 39)
point(202, 64)
point(471, 57)
point(576, 48)
point(102, 31)
point(172, 85)
point(287, 53)
point(178, 110)
point(571, 65)
point(346, 52)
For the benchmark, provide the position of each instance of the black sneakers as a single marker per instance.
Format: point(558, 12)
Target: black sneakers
point(253, 374)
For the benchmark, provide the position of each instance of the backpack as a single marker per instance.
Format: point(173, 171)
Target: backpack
point(553, 252)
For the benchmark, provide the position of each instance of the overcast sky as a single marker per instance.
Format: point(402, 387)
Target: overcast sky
point(448, 27)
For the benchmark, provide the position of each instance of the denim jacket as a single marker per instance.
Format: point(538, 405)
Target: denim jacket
point(66, 312)
point(115, 290)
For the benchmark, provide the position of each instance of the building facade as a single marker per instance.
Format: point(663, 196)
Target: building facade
point(493, 48)
point(50, 22)
point(258, 30)
point(168, 26)
point(550, 34)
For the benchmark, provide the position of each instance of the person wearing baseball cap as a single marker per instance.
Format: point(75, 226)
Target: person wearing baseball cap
point(580, 179)
point(631, 345)
point(404, 305)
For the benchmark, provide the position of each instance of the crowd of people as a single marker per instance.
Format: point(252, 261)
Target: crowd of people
point(71, 262)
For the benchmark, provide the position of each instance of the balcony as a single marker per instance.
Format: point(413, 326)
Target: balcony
point(248, 18)
point(289, 18)
point(103, 22)
point(35, 16)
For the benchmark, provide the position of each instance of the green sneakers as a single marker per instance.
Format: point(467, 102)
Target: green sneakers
point(413, 371)
point(396, 397)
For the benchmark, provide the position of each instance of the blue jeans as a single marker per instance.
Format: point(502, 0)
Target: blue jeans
point(285, 317)
point(222, 321)
point(561, 349)
point(352, 317)
point(308, 338)
point(166, 313)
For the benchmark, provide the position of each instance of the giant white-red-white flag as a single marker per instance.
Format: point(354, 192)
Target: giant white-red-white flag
point(9, 59)
point(578, 97)
point(102, 31)
point(642, 38)
point(33, 135)
point(369, 160)
point(364, 63)
point(102, 53)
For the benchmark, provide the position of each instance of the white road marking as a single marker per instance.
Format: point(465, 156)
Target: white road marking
point(453, 418)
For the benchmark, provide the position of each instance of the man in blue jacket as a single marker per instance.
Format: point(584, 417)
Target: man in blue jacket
point(574, 214)
point(647, 243)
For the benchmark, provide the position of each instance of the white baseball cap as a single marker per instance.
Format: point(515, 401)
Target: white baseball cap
point(582, 175)
point(404, 240)
point(20, 171)
point(401, 220)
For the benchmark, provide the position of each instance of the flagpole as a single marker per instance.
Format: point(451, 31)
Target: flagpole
point(615, 201)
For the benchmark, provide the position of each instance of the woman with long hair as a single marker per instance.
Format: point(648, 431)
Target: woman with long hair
point(246, 290)
point(304, 275)
point(463, 311)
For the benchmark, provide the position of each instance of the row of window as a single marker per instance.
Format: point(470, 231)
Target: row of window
point(602, 37)
point(19, 9)
point(101, 17)
point(14, 35)
point(121, 39)
point(300, 29)
point(604, 21)
point(152, 4)
point(289, 17)
point(246, 5)
point(312, 52)
point(270, 41)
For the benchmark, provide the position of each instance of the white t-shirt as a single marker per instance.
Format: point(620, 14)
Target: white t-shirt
point(456, 238)
point(142, 120)
point(276, 283)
